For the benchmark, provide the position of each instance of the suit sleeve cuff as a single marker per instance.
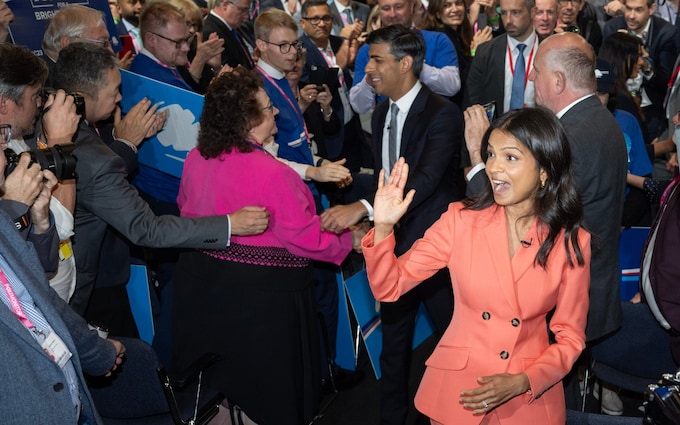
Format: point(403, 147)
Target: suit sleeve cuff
point(473, 172)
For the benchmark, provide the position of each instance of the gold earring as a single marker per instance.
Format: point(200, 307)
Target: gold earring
point(542, 184)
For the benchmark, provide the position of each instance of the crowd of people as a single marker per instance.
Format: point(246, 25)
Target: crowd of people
point(482, 155)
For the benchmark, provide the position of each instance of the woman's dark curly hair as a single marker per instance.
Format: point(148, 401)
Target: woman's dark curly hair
point(558, 206)
point(230, 111)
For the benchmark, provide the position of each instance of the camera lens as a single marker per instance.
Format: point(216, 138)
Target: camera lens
point(58, 159)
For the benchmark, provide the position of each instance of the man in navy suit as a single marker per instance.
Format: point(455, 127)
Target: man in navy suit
point(225, 19)
point(494, 66)
point(129, 21)
point(426, 130)
point(659, 38)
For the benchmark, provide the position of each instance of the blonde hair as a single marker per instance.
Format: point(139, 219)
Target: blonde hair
point(271, 19)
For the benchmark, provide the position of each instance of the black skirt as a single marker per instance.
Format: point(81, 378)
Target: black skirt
point(262, 321)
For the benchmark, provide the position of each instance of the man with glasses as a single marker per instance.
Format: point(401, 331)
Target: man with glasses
point(440, 71)
point(579, 16)
point(166, 38)
point(225, 19)
point(659, 38)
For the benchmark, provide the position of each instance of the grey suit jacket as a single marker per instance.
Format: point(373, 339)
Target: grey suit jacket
point(32, 386)
point(599, 166)
point(105, 201)
point(359, 10)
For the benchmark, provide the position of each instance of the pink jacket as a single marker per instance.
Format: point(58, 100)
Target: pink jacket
point(499, 315)
point(232, 181)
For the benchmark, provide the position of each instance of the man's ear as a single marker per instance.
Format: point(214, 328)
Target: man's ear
point(560, 82)
point(63, 42)
point(4, 105)
point(406, 64)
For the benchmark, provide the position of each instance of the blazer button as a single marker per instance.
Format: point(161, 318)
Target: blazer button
point(58, 387)
point(504, 355)
point(486, 315)
point(515, 322)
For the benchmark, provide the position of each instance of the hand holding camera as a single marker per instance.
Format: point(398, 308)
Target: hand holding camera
point(32, 186)
point(61, 115)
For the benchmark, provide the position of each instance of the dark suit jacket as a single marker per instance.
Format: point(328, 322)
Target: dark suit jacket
point(431, 144)
point(233, 53)
point(661, 45)
point(315, 60)
point(105, 200)
point(599, 166)
point(31, 384)
point(486, 76)
point(359, 10)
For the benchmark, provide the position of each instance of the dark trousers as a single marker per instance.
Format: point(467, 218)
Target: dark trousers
point(398, 323)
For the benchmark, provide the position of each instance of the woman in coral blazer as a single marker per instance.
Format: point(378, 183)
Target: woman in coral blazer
point(514, 255)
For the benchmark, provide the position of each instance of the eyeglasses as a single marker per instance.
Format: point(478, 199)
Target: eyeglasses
point(243, 10)
point(269, 107)
point(104, 43)
point(285, 47)
point(178, 43)
point(327, 19)
point(5, 133)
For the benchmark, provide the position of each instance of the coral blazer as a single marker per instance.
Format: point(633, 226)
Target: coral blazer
point(499, 315)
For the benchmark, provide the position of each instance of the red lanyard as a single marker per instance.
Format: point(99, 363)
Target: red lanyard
point(14, 302)
point(296, 108)
point(527, 66)
point(675, 74)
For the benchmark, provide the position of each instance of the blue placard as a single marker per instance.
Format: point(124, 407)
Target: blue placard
point(140, 302)
point(367, 312)
point(631, 242)
point(31, 18)
point(168, 149)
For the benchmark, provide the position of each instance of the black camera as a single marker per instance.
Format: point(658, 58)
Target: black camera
point(78, 100)
point(58, 159)
point(662, 401)
point(572, 28)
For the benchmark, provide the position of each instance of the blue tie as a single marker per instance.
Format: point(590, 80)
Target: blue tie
point(518, 80)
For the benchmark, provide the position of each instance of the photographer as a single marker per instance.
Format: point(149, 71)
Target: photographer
point(26, 191)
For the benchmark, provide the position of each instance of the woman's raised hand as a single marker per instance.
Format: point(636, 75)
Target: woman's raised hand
point(390, 204)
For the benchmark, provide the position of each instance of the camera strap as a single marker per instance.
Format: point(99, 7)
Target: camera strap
point(22, 222)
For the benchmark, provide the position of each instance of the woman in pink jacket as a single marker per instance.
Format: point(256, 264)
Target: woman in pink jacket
point(251, 302)
point(515, 254)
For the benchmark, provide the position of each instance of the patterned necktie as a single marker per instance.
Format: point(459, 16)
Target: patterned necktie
point(518, 80)
point(348, 16)
point(393, 153)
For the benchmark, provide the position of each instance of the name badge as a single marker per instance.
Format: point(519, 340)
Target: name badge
point(56, 349)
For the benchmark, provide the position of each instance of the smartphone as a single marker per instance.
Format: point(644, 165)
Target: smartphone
point(321, 76)
point(127, 45)
point(482, 21)
point(490, 109)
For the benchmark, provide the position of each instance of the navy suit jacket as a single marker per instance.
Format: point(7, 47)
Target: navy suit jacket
point(663, 50)
point(32, 385)
point(431, 144)
point(233, 53)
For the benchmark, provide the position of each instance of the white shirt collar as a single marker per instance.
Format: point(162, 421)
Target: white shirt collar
point(341, 6)
point(128, 26)
point(404, 103)
point(513, 42)
point(212, 12)
point(571, 105)
point(274, 73)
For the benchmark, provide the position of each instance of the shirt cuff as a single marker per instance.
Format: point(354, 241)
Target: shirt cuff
point(369, 208)
point(473, 172)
